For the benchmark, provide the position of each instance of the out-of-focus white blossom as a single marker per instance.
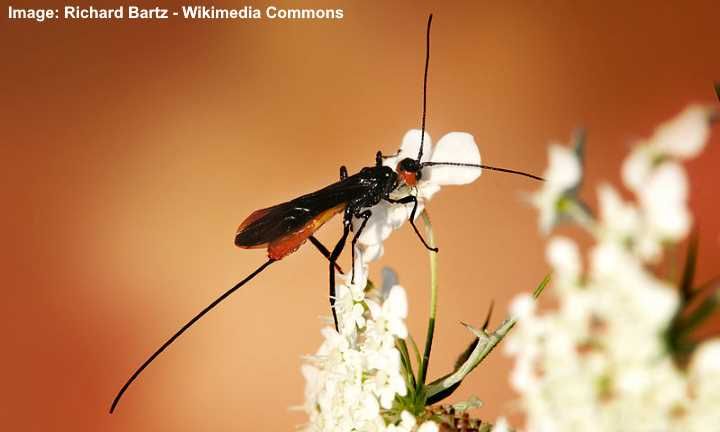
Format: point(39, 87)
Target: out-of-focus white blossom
point(684, 136)
point(564, 256)
point(653, 173)
point(501, 425)
point(599, 360)
point(663, 200)
point(455, 147)
point(680, 138)
point(563, 175)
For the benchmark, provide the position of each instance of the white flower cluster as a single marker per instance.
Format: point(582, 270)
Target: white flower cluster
point(599, 362)
point(356, 373)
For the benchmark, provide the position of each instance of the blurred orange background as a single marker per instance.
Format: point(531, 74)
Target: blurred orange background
point(132, 150)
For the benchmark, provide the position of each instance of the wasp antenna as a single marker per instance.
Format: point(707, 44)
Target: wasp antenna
point(182, 330)
point(425, 77)
point(506, 170)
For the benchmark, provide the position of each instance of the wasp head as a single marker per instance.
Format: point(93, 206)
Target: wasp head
point(410, 171)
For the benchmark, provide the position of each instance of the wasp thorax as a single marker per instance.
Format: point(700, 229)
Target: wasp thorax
point(410, 171)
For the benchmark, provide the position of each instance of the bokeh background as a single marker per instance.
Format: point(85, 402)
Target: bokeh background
point(132, 150)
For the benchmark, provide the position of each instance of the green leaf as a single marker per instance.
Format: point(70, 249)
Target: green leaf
point(463, 357)
point(541, 287)
point(407, 365)
point(688, 276)
point(479, 349)
point(704, 310)
point(678, 336)
point(415, 348)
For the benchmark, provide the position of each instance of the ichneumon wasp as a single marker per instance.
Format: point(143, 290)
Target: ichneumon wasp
point(283, 228)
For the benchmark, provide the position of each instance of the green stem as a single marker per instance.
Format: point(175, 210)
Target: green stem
point(422, 373)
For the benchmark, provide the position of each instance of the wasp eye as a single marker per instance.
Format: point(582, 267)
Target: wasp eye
point(409, 170)
point(409, 165)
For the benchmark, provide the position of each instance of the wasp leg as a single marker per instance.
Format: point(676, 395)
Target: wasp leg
point(413, 199)
point(364, 216)
point(343, 172)
point(333, 259)
point(323, 250)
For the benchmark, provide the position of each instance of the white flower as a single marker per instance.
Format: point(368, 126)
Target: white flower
point(455, 147)
point(522, 306)
point(561, 178)
point(653, 173)
point(637, 166)
point(356, 373)
point(393, 312)
point(350, 312)
point(563, 255)
point(685, 135)
point(706, 360)
point(663, 199)
point(619, 220)
point(428, 426)
point(501, 425)
point(682, 137)
point(599, 360)
point(407, 423)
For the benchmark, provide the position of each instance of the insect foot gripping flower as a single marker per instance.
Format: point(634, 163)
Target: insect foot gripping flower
point(615, 354)
point(455, 147)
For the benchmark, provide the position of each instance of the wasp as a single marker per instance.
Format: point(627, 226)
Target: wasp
point(283, 228)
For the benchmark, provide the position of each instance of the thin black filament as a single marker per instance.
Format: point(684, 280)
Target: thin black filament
point(182, 330)
point(506, 170)
point(425, 78)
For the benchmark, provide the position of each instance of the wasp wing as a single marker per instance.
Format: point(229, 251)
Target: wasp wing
point(273, 223)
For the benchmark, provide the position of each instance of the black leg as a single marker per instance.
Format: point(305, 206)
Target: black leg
point(396, 154)
point(413, 199)
point(333, 258)
point(364, 216)
point(343, 172)
point(323, 250)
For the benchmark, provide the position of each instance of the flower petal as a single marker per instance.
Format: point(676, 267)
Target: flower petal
point(372, 252)
point(564, 171)
point(706, 359)
point(398, 214)
point(396, 303)
point(637, 166)
point(457, 147)
point(664, 201)
point(378, 226)
point(411, 145)
point(564, 256)
point(685, 135)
